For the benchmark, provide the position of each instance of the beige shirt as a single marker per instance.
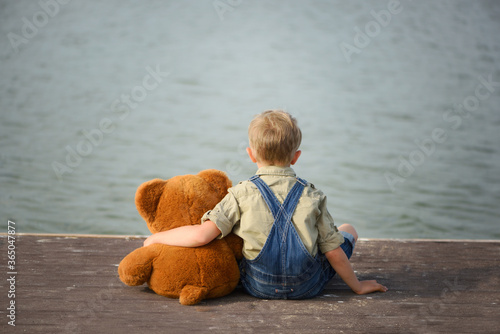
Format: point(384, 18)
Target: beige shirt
point(244, 212)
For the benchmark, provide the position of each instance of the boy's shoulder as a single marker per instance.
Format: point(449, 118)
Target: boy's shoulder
point(312, 191)
point(241, 190)
point(241, 186)
point(246, 187)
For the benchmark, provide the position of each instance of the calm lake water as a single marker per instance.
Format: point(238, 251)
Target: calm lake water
point(399, 107)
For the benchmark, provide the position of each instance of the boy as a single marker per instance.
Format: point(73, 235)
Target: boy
point(291, 247)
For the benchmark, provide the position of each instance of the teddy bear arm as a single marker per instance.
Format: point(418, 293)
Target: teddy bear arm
point(135, 268)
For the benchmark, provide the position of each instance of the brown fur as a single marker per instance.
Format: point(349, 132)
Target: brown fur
point(190, 274)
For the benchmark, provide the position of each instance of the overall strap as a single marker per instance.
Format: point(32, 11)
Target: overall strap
point(290, 203)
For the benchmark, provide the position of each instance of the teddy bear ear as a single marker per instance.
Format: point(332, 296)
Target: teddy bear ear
point(216, 179)
point(147, 198)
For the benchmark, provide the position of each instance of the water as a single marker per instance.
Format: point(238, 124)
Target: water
point(102, 96)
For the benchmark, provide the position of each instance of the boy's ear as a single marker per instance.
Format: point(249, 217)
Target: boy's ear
point(296, 157)
point(250, 154)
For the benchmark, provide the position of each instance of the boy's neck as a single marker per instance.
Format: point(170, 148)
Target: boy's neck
point(260, 165)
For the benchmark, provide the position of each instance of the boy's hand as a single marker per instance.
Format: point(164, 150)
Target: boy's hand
point(342, 266)
point(369, 287)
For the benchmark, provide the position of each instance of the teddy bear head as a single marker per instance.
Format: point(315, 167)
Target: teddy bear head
point(167, 204)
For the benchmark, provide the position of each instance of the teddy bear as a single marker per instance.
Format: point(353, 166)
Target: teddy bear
point(190, 274)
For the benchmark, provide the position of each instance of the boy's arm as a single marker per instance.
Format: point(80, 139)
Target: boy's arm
point(339, 261)
point(186, 236)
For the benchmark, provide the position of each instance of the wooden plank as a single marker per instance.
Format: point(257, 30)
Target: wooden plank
point(69, 284)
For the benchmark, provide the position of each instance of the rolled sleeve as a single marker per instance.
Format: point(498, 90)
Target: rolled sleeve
point(329, 237)
point(224, 215)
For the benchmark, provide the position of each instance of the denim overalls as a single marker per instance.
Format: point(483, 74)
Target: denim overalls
point(284, 269)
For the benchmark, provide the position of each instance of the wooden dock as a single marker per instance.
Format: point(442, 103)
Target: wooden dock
point(69, 284)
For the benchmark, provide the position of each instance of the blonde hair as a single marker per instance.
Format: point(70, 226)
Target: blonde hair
point(274, 136)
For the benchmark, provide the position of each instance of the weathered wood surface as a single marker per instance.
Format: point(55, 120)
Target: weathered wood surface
point(69, 284)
